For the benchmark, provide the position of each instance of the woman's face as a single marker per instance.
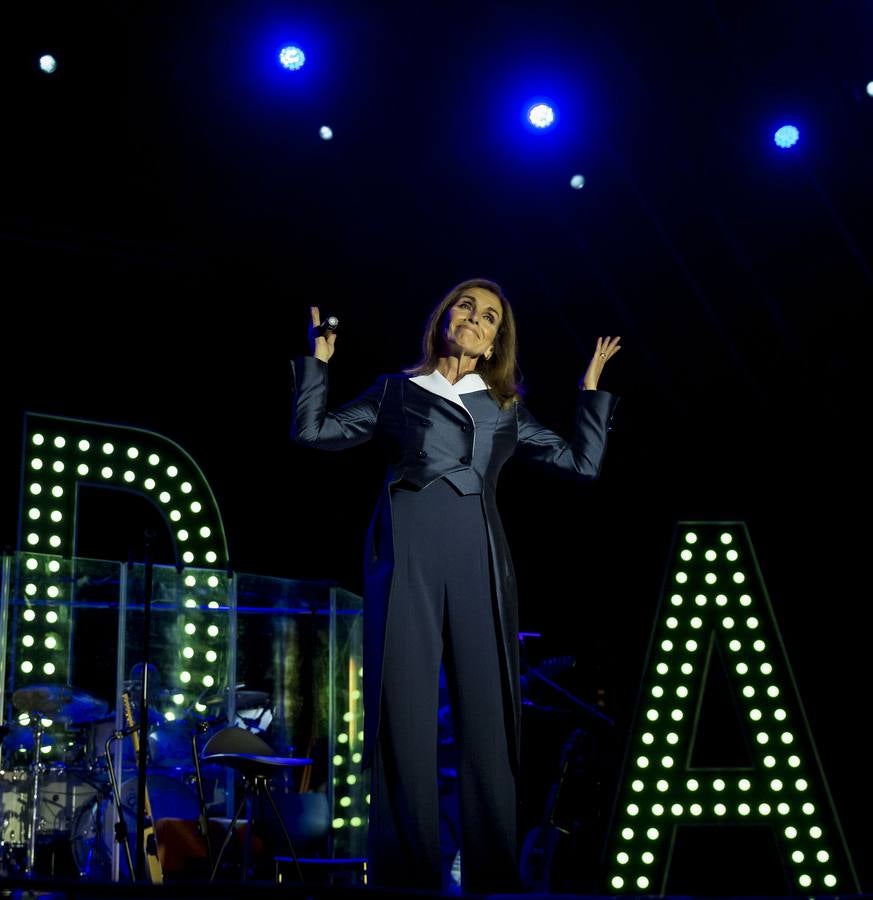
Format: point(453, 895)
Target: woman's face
point(472, 321)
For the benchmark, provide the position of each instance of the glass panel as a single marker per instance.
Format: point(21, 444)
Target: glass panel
point(294, 655)
point(60, 622)
point(350, 784)
point(77, 632)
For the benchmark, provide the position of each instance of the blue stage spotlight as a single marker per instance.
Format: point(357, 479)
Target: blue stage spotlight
point(870, 88)
point(541, 115)
point(291, 58)
point(48, 63)
point(786, 136)
point(325, 132)
point(577, 182)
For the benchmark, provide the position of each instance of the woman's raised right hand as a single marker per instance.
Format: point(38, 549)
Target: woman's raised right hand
point(322, 346)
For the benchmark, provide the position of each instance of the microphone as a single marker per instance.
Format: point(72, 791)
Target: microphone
point(329, 324)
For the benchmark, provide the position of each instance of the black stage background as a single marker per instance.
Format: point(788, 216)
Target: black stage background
point(169, 213)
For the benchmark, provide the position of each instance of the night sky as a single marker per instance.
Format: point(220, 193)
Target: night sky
point(169, 213)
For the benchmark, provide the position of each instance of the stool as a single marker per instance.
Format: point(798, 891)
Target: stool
point(256, 762)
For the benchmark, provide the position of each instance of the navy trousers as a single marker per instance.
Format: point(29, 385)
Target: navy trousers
point(442, 610)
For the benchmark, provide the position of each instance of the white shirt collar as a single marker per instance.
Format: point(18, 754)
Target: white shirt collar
point(437, 383)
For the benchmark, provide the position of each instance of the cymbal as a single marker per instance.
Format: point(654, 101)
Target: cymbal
point(244, 699)
point(21, 738)
point(57, 701)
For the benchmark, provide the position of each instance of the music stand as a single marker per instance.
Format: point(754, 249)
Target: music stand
point(256, 762)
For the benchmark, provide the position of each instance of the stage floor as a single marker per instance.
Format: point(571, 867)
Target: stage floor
point(64, 889)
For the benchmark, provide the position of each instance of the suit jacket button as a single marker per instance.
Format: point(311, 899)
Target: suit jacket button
point(465, 460)
point(465, 427)
point(422, 453)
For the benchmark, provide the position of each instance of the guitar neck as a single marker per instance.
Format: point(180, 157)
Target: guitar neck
point(150, 843)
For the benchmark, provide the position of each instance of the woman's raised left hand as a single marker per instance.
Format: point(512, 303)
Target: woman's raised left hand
point(604, 351)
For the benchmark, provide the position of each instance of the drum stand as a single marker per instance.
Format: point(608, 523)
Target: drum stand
point(44, 704)
point(36, 773)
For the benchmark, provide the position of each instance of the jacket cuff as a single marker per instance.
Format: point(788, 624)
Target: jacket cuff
point(306, 369)
point(601, 403)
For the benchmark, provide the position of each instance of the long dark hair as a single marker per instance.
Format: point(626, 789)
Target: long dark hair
point(500, 372)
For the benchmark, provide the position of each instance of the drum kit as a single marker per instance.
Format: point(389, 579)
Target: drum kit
point(60, 790)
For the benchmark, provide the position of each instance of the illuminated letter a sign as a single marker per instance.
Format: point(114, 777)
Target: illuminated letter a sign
point(715, 602)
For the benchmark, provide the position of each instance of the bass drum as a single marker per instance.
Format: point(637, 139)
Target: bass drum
point(14, 805)
point(93, 833)
point(63, 790)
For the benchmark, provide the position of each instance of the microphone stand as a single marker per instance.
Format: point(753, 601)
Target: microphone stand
point(121, 823)
point(148, 571)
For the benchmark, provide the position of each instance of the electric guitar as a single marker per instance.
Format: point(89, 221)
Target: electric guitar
point(150, 841)
point(538, 848)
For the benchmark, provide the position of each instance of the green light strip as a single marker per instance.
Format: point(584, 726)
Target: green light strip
point(62, 454)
